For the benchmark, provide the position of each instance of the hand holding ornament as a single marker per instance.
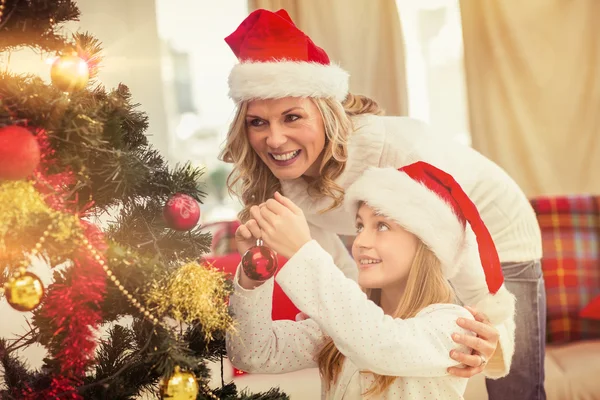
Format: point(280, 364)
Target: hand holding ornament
point(282, 225)
point(259, 263)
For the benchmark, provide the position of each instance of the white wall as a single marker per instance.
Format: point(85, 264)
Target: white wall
point(128, 31)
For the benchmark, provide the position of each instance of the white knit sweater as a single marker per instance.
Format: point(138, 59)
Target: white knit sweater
point(415, 350)
point(380, 141)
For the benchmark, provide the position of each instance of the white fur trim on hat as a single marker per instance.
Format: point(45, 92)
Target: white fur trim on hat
point(416, 208)
point(277, 79)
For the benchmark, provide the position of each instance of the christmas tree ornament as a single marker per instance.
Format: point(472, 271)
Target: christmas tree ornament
point(70, 73)
point(182, 385)
point(259, 262)
point(19, 153)
point(24, 292)
point(181, 212)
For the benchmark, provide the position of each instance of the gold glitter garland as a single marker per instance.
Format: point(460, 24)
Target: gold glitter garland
point(21, 207)
point(193, 293)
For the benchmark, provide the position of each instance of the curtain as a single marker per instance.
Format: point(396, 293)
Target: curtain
point(533, 78)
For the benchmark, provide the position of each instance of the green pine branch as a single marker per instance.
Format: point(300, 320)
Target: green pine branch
point(101, 137)
point(33, 23)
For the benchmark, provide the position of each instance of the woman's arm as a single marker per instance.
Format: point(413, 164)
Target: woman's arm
point(260, 345)
point(373, 341)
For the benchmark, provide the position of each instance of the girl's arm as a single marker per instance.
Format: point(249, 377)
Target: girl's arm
point(375, 342)
point(260, 345)
point(332, 243)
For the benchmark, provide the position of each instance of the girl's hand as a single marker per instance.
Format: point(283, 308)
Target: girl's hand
point(282, 225)
point(483, 345)
point(301, 316)
point(246, 236)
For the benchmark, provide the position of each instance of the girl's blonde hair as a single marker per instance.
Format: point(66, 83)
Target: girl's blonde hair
point(253, 182)
point(425, 285)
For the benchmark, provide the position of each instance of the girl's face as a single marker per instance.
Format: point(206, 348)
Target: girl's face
point(287, 134)
point(383, 250)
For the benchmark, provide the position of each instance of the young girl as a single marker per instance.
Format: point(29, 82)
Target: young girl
point(387, 335)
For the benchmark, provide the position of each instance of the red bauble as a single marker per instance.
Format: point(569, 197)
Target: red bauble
point(259, 262)
point(181, 212)
point(19, 153)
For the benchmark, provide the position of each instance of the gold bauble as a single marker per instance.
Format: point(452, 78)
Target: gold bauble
point(70, 73)
point(181, 385)
point(25, 292)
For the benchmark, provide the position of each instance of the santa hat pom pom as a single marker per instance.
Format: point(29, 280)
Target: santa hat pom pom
point(497, 307)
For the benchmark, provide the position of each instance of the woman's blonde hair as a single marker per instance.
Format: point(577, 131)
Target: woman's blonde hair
point(253, 182)
point(425, 285)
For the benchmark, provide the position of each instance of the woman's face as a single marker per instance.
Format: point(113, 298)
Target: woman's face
point(287, 134)
point(383, 250)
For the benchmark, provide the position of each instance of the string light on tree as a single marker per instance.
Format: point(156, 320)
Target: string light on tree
point(70, 73)
point(2, 6)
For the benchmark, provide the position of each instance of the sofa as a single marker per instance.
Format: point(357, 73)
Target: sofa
point(571, 266)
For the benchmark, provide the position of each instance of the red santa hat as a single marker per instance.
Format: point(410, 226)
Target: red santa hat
point(276, 59)
point(429, 203)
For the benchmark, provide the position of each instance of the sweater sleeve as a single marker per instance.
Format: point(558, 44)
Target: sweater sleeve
point(470, 291)
point(499, 364)
point(373, 341)
point(332, 243)
point(260, 345)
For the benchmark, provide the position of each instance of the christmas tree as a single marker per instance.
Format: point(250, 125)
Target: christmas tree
point(72, 154)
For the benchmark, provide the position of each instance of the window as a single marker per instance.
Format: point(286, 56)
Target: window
point(434, 65)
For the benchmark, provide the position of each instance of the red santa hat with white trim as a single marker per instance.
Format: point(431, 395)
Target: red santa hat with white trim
point(429, 203)
point(276, 59)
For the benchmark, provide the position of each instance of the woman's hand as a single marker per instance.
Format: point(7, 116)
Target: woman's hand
point(282, 225)
point(483, 345)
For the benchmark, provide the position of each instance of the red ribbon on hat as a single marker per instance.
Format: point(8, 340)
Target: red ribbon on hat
point(436, 179)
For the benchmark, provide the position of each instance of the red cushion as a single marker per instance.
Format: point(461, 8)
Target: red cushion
point(592, 310)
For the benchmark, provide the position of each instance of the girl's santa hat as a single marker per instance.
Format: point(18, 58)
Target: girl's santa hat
point(278, 60)
point(429, 203)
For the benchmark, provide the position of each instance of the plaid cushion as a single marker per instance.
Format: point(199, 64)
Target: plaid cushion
point(571, 263)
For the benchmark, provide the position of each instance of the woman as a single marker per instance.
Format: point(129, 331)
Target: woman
point(394, 342)
point(299, 131)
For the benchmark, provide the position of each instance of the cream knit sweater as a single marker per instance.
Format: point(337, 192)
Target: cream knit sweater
point(398, 141)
